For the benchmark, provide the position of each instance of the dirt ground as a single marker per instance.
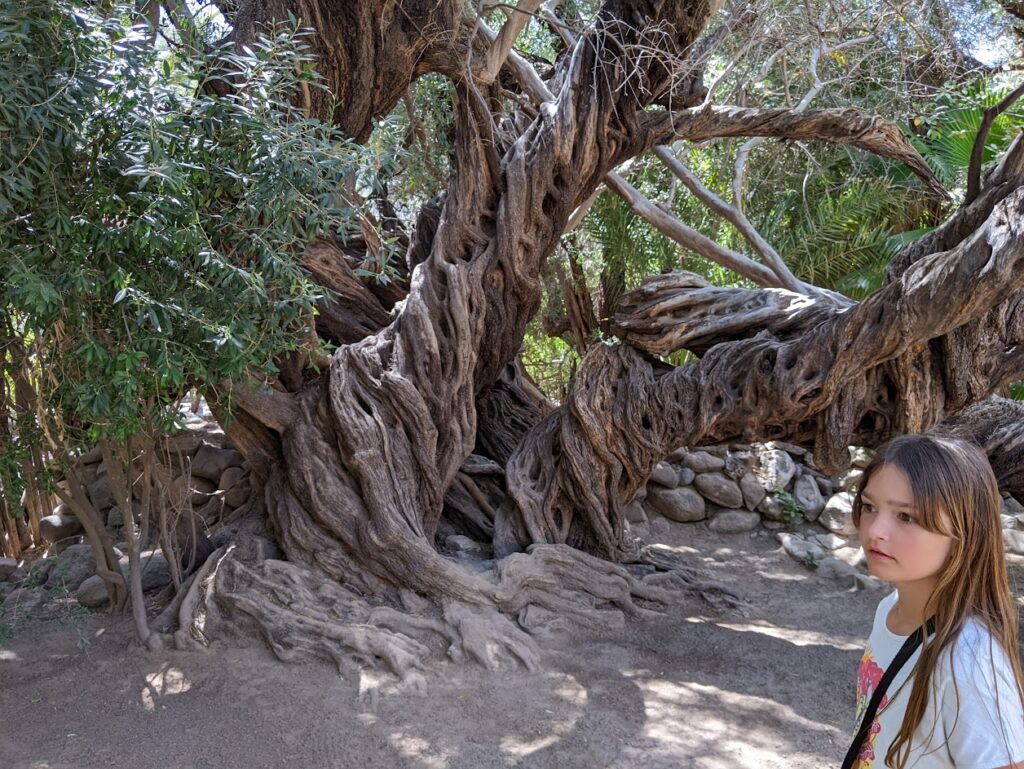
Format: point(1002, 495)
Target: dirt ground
point(768, 686)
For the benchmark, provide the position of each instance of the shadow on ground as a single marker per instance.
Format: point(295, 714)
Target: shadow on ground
point(771, 686)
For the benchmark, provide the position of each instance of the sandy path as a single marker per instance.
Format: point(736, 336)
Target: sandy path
point(772, 688)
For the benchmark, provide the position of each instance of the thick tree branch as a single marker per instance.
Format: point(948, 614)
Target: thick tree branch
point(735, 216)
point(502, 43)
point(878, 139)
point(368, 52)
point(625, 412)
point(688, 237)
point(271, 408)
point(1006, 178)
point(834, 126)
point(681, 310)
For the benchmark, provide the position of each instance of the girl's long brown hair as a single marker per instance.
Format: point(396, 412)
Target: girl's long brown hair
point(955, 494)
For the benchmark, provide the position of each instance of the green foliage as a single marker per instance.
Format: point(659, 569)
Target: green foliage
point(791, 511)
point(413, 145)
point(149, 229)
point(945, 134)
point(550, 361)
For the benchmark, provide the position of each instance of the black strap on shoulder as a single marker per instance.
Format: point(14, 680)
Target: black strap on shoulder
point(904, 654)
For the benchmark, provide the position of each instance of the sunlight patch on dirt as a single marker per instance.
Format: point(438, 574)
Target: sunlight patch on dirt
point(556, 724)
point(165, 682)
point(719, 729)
point(795, 636)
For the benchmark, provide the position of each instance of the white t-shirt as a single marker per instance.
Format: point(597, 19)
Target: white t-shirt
point(977, 735)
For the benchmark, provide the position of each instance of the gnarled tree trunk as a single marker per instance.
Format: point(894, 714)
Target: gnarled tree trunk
point(422, 413)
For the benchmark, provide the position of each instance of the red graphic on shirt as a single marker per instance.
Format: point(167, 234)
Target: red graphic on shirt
point(868, 676)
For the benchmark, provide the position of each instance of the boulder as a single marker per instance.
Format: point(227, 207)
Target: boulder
point(738, 464)
point(771, 507)
point(7, 567)
point(1013, 540)
point(659, 527)
point(799, 548)
point(210, 462)
point(808, 496)
point(230, 477)
point(92, 456)
point(155, 573)
point(20, 574)
point(703, 462)
point(734, 521)
point(686, 476)
point(828, 541)
point(24, 600)
point(54, 528)
point(790, 448)
point(752, 490)
point(665, 475)
point(716, 451)
point(850, 480)
point(677, 456)
point(1012, 506)
point(202, 488)
point(837, 516)
point(777, 469)
point(92, 593)
point(840, 571)
point(236, 488)
point(825, 485)
point(860, 456)
point(39, 570)
point(634, 513)
point(851, 555)
point(681, 504)
point(194, 490)
point(463, 544)
point(239, 494)
point(72, 568)
point(638, 530)
point(100, 494)
point(1009, 521)
point(719, 489)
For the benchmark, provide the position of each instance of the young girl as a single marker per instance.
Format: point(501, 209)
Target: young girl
point(928, 517)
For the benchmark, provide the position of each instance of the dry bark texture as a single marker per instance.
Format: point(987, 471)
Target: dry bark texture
point(422, 425)
point(368, 51)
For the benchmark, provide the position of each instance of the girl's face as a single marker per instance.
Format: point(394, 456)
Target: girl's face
point(898, 548)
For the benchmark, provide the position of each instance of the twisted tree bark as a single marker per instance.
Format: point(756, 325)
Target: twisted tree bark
point(422, 425)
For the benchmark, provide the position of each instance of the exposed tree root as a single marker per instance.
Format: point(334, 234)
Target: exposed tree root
point(303, 614)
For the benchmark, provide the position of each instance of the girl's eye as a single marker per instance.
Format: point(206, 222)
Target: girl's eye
point(867, 507)
point(905, 518)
